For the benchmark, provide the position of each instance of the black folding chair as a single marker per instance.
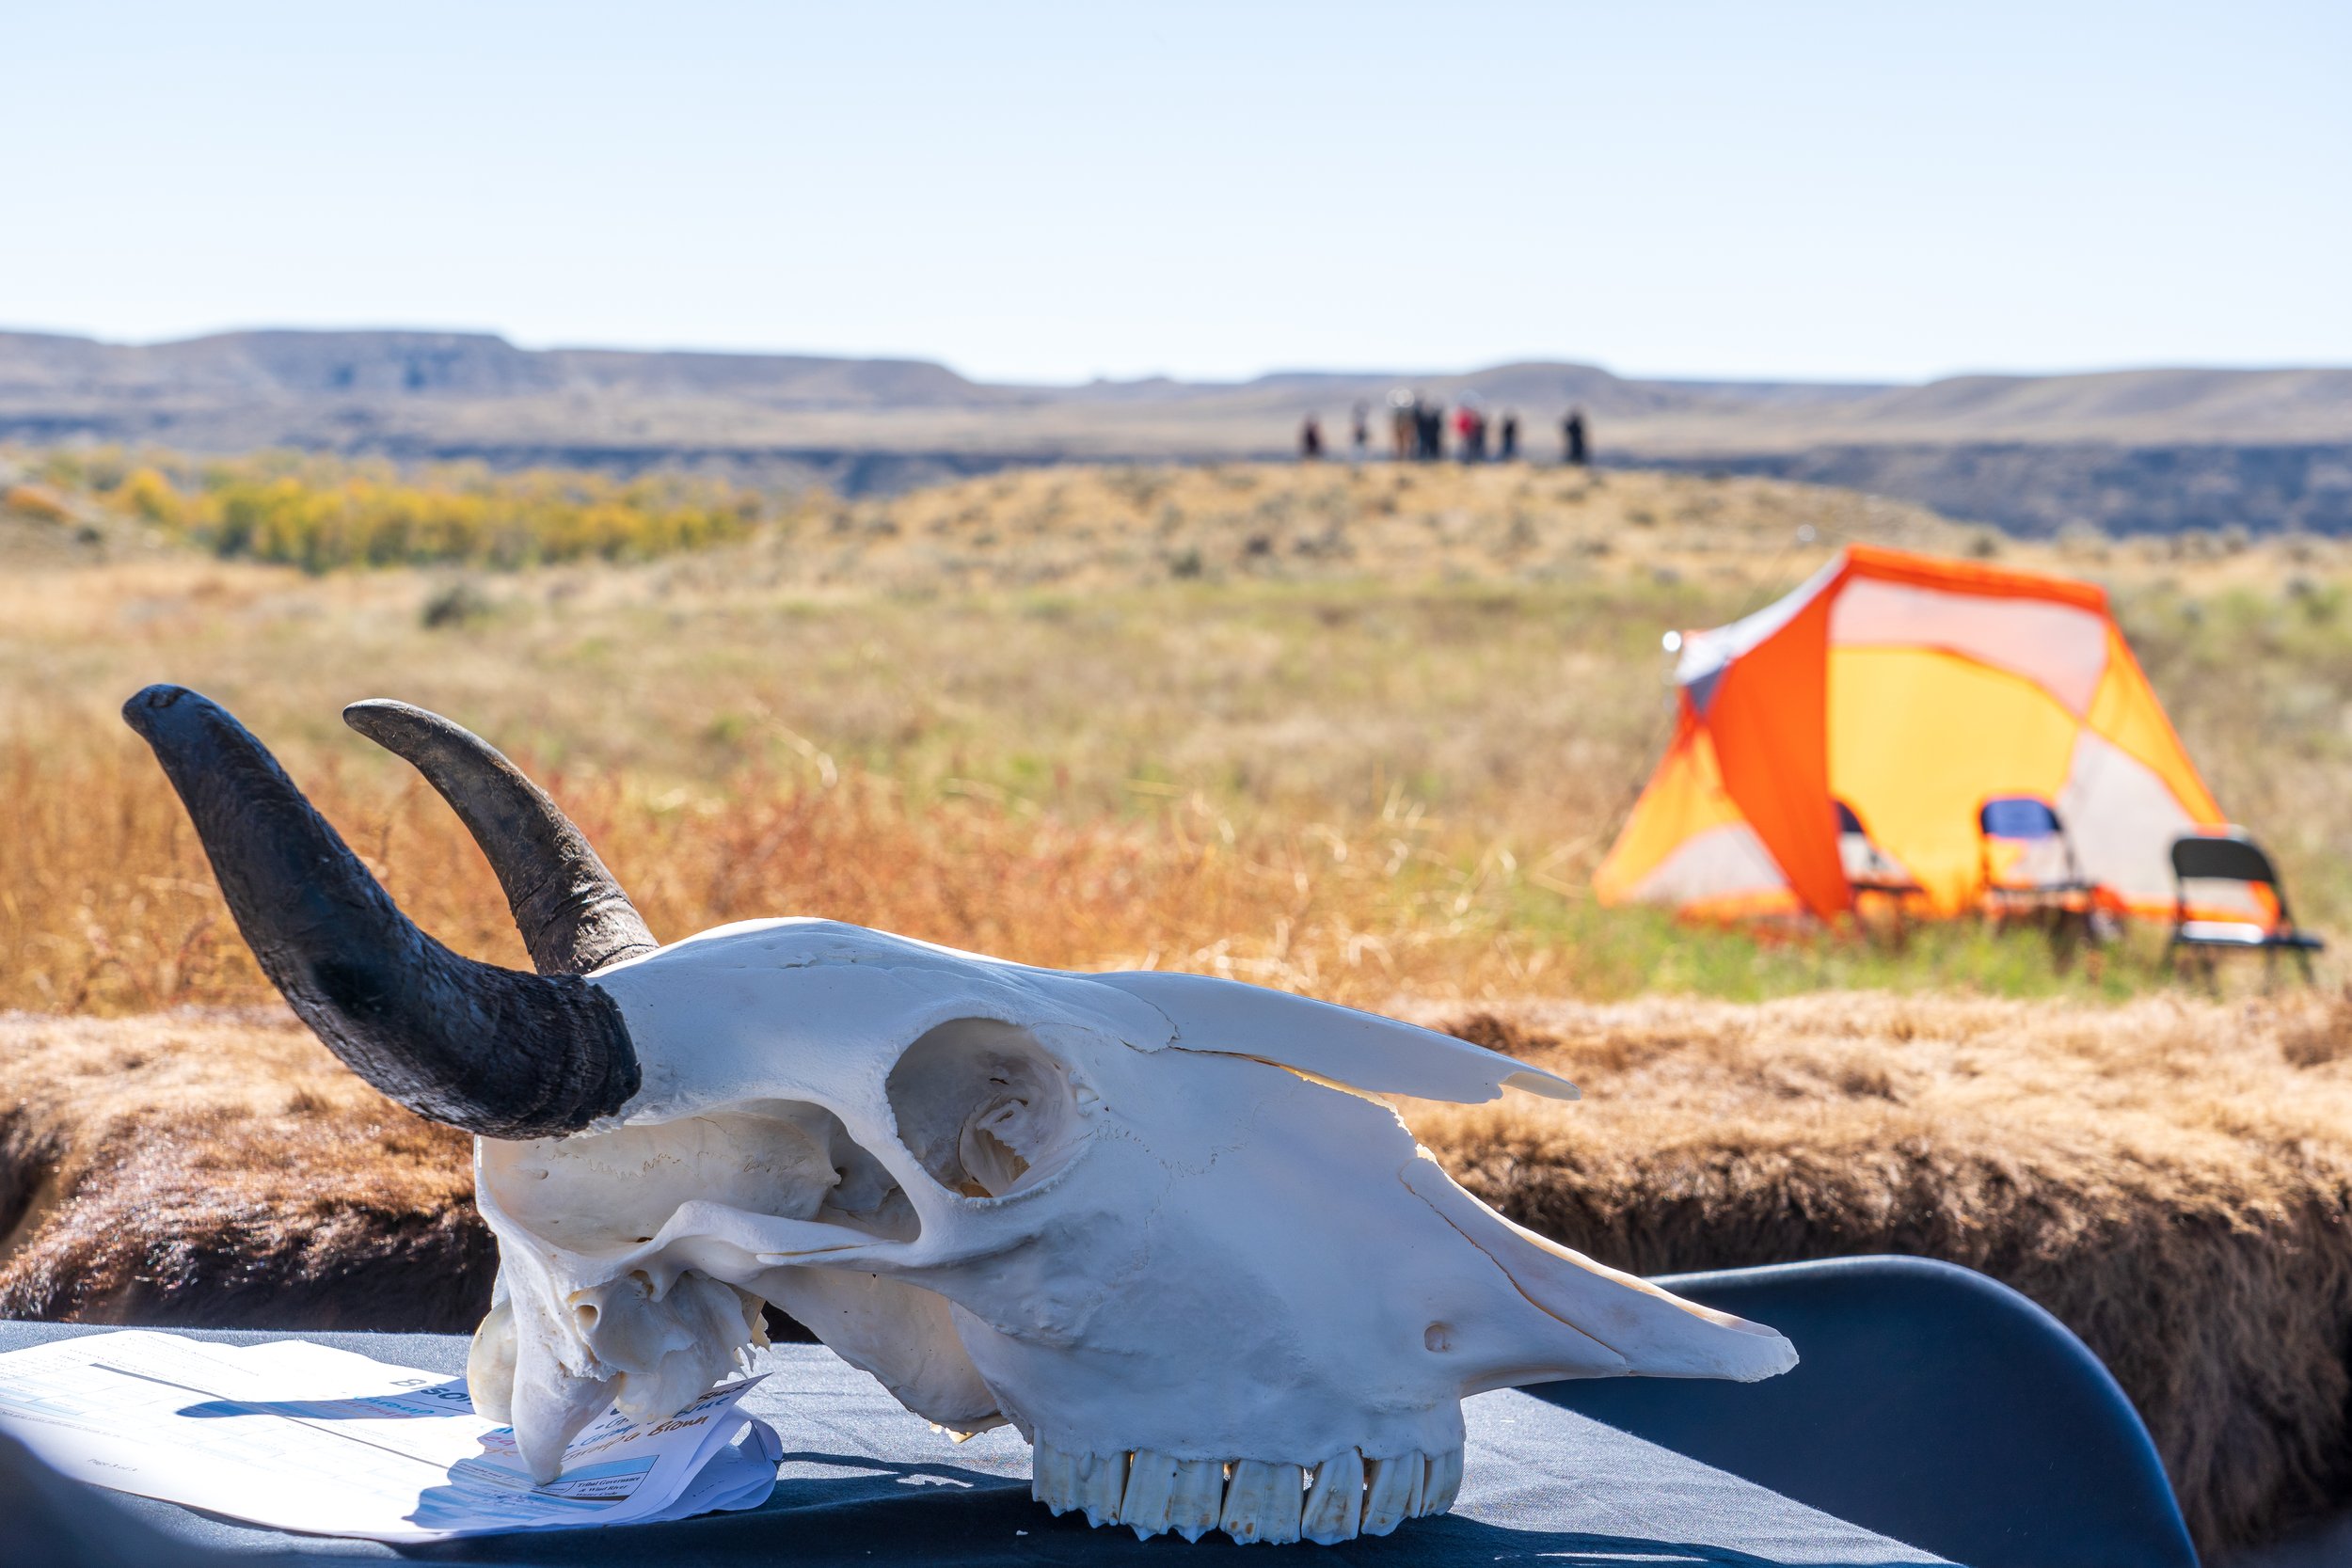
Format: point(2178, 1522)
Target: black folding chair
point(1868, 869)
point(2232, 857)
point(1871, 871)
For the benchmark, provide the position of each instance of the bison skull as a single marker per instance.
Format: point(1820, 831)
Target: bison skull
point(1158, 1223)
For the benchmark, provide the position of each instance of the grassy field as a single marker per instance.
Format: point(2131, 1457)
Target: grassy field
point(1362, 733)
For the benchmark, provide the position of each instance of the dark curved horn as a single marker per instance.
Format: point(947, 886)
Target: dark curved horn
point(494, 1050)
point(572, 914)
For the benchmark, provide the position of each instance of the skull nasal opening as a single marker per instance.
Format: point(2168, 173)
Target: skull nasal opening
point(983, 1107)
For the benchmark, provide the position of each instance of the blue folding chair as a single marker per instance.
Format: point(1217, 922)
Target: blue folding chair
point(2027, 864)
point(1929, 1403)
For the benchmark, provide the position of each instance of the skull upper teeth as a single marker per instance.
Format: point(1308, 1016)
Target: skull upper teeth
point(1336, 1500)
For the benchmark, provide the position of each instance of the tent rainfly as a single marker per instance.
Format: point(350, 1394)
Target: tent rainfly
point(1910, 688)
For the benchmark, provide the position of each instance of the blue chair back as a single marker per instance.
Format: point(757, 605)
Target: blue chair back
point(2018, 816)
point(1929, 1403)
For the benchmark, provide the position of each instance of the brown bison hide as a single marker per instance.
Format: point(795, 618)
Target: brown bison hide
point(225, 1172)
point(2172, 1179)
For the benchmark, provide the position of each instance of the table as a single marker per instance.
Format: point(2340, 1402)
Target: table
point(865, 1483)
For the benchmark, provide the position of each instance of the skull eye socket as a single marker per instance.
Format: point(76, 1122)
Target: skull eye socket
point(983, 1107)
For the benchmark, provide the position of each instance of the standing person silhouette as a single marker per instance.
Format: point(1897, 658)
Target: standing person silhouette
point(1310, 440)
point(1404, 422)
point(1572, 439)
point(1509, 450)
point(1359, 433)
point(1470, 435)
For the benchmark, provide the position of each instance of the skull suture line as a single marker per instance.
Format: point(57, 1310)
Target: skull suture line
point(1156, 1222)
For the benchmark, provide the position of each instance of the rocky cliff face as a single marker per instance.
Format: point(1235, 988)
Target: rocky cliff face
point(2041, 490)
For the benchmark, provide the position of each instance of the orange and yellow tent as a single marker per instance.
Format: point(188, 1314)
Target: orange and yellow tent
point(1910, 688)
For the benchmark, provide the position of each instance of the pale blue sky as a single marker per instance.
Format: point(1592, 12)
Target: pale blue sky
point(1052, 191)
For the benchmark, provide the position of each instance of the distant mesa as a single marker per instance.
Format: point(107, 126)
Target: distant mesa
point(458, 365)
point(2147, 449)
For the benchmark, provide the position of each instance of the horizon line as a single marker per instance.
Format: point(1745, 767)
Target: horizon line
point(1382, 373)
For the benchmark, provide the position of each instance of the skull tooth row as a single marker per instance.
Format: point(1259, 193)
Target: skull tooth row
point(1249, 1499)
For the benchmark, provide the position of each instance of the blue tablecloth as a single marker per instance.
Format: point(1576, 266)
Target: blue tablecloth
point(865, 1483)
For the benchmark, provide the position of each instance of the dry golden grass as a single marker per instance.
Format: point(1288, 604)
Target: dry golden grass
point(1496, 523)
point(2172, 1178)
point(1348, 772)
point(132, 922)
point(1243, 777)
point(1096, 528)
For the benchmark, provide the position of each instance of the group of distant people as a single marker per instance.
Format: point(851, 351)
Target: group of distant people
point(1417, 432)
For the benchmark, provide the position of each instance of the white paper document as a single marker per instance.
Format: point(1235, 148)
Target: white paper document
point(302, 1437)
